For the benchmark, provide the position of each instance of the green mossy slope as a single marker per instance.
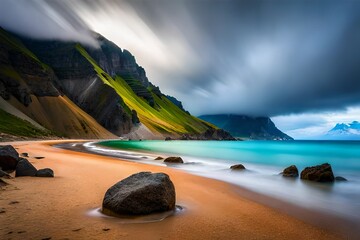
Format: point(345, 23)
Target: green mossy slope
point(162, 117)
point(13, 125)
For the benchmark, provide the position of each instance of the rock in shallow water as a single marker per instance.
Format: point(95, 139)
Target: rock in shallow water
point(319, 173)
point(141, 193)
point(25, 168)
point(46, 172)
point(173, 160)
point(340, 179)
point(291, 171)
point(237, 167)
point(9, 158)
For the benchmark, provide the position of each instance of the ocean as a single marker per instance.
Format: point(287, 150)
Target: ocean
point(264, 160)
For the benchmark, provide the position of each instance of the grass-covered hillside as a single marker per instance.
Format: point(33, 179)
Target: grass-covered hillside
point(13, 125)
point(159, 114)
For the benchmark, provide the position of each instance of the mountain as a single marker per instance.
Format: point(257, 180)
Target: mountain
point(79, 91)
point(245, 127)
point(344, 131)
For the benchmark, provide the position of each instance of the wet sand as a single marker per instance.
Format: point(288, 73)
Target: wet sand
point(58, 208)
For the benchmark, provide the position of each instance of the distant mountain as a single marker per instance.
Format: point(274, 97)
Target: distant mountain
point(78, 91)
point(240, 126)
point(344, 131)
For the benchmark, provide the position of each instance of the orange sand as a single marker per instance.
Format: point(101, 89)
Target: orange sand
point(58, 207)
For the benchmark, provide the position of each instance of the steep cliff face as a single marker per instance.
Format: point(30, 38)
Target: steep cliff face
point(21, 72)
point(78, 80)
point(257, 128)
point(29, 85)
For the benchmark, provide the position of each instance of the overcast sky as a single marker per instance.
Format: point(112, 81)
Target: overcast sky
point(293, 59)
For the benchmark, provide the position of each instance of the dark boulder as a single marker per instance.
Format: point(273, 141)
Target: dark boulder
point(9, 158)
point(173, 160)
point(319, 173)
point(25, 168)
point(141, 193)
point(237, 167)
point(159, 158)
point(340, 179)
point(291, 171)
point(168, 139)
point(46, 172)
point(25, 155)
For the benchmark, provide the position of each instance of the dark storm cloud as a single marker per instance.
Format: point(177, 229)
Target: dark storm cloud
point(44, 20)
point(253, 57)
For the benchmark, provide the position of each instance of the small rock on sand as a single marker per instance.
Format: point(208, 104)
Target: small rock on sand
point(45, 172)
point(39, 157)
point(24, 154)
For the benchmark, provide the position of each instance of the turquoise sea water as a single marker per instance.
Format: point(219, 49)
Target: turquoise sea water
point(264, 161)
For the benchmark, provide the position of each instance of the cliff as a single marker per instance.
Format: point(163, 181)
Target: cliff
point(246, 127)
point(81, 91)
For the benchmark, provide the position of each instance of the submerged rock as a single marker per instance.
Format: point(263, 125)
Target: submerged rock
point(237, 167)
point(9, 158)
point(25, 168)
point(173, 160)
point(340, 179)
point(45, 172)
point(319, 173)
point(141, 193)
point(291, 171)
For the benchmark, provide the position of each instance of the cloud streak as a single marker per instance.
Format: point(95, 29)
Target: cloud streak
point(248, 57)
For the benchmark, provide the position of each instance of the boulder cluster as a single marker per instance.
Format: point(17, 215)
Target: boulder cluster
point(10, 161)
point(318, 173)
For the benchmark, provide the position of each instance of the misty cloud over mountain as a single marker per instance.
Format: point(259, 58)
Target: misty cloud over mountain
point(249, 57)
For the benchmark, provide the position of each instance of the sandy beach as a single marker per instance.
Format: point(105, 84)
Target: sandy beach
point(58, 208)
